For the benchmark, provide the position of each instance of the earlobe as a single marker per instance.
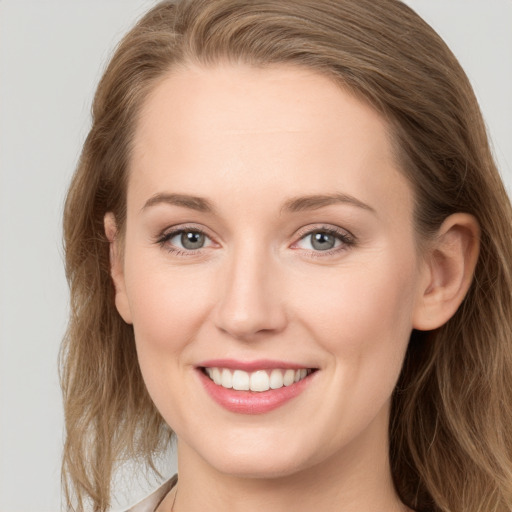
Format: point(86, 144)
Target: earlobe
point(116, 268)
point(450, 264)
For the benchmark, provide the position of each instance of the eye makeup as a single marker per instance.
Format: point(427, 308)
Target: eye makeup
point(323, 240)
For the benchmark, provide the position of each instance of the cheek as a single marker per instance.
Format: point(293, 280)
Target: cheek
point(362, 315)
point(361, 318)
point(168, 306)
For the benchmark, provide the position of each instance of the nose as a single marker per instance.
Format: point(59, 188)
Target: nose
point(251, 301)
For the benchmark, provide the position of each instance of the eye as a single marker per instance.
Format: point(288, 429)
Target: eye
point(189, 240)
point(321, 241)
point(325, 240)
point(184, 240)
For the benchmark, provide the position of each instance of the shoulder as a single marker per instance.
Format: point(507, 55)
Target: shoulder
point(149, 503)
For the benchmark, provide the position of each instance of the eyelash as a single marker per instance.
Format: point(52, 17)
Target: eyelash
point(347, 240)
point(164, 238)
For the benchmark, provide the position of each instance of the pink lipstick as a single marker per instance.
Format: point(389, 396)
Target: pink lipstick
point(254, 387)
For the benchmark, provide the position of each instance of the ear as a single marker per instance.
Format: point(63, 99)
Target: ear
point(450, 264)
point(116, 267)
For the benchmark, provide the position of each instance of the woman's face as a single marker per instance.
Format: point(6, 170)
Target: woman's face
point(268, 231)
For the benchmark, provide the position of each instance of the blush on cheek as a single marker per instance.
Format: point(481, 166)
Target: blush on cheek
point(170, 304)
point(358, 311)
point(158, 326)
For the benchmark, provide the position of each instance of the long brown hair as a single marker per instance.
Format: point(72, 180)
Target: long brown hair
point(451, 418)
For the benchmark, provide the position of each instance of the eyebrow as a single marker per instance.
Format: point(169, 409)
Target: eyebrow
point(194, 203)
point(293, 205)
point(314, 202)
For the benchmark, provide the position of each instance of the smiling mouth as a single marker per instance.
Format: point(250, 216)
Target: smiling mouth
point(257, 381)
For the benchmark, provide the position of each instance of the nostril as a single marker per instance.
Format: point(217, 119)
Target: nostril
point(250, 305)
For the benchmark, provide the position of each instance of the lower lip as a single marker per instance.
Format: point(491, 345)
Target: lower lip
point(252, 402)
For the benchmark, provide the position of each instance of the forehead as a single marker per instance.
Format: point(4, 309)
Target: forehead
point(241, 99)
point(278, 129)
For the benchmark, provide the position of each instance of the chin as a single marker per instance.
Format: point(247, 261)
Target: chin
point(261, 457)
point(243, 467)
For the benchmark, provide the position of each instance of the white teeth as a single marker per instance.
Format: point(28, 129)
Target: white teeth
point(260, 380)
point(241, 380)
point(289, 377)
point(217, 376)
point(226, 379)
point(276, 379)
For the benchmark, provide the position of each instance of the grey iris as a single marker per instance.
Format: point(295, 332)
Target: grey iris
point(192, 240)
point(322, 241)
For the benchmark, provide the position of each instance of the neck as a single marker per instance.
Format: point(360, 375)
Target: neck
point(357, 478)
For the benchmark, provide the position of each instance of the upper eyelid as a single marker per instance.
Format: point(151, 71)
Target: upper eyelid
point(180, 228)
point(311, 228)
point(307, 230)
point(170, 232)
point(163, 240)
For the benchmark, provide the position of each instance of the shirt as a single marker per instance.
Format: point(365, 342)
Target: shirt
point(151, 502)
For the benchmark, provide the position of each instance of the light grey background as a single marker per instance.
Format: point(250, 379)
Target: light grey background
point(51, 57)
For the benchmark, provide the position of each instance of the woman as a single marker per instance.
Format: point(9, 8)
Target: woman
point(288, 246)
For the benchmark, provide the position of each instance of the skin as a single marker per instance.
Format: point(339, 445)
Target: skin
point(249, 141)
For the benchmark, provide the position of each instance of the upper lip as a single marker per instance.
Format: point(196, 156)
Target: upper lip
point(250, 366)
